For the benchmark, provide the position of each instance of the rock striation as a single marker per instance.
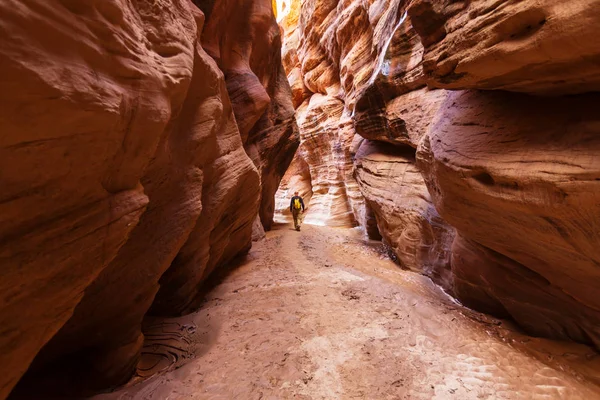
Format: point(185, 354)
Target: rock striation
point(519, 180)
point(128, 174)
point(491, 193)
point(296, 179)
point(357, 71)
point(396, 192)
point(525, 46)
point(257, 84)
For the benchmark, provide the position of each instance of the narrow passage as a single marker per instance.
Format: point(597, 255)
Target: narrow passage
point(319, 314)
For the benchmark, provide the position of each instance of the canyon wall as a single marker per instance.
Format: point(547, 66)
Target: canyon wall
point(475, 137)
point(132, 165)
point(337, 55)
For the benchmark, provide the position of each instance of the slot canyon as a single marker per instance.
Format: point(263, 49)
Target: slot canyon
point(447, 153)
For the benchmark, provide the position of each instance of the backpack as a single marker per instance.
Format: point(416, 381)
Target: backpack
point(297, 204)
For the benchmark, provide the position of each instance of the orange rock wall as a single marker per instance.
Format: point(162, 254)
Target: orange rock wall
point(514, 174)
point(129, 167)
point(339, 56)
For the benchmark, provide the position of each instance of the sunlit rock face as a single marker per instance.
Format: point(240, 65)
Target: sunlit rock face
point(513, 174)
point(250, 58)
point(125, 166)
point(319, 117)
point(347, 62)
point(319, 121)
point(296, 179)
point(319, 37)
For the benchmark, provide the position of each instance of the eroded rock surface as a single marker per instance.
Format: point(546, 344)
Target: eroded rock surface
point(296, 179)
point(321, 148)
point(125, 166)
point(520, 177)
point(77, 135)
point(407, 220)
point(350, 62)
point(514, 174)
point(250, 58)
point(524, 46)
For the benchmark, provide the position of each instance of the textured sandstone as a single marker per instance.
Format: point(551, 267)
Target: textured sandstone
point(109, 189)
point(291, 63)
point(403, 120)
point(514, 174)
point(77, 134)
point(491, 282)
point(321, 36)
point(250, 58)
point(520, 176)
point(348, 62)
point(105, 327)
point(318, 122)
point(296, 179)
point(407, 220)
point(547, 46)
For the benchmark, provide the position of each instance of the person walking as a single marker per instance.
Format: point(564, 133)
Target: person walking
point(296, 207)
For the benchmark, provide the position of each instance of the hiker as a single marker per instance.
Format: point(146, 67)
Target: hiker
point(296, 204)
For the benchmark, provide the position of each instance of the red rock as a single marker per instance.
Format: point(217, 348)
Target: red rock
point(289, 25)
point(260, 94)
point(513, 174)
point(519, 175)
point(407, 220)
point(488, 281)
point(544, 46)
point(403, 120)
point(119, 189)
point(77, 136)
point(319, 122)
point(296, 179)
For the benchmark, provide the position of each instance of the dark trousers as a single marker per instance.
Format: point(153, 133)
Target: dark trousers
point(296, 215)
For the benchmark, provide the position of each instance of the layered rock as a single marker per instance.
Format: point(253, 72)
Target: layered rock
point(257, 85)
point(77, 136)
point(514, 174)
point(520, 176)
point(296, 179)
point(321, 148)
point(527, 46)
point(353, 59)
point(402, 120)
point(406, 217)
point(494, 283)
point(110, 190)
point(328, 56)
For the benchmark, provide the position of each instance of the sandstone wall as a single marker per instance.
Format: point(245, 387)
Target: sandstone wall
point(257, 84)
point(124, 169)
point(514, 174)
point(348, 62)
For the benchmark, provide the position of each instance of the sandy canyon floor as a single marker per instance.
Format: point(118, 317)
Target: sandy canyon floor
point(322, 314)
